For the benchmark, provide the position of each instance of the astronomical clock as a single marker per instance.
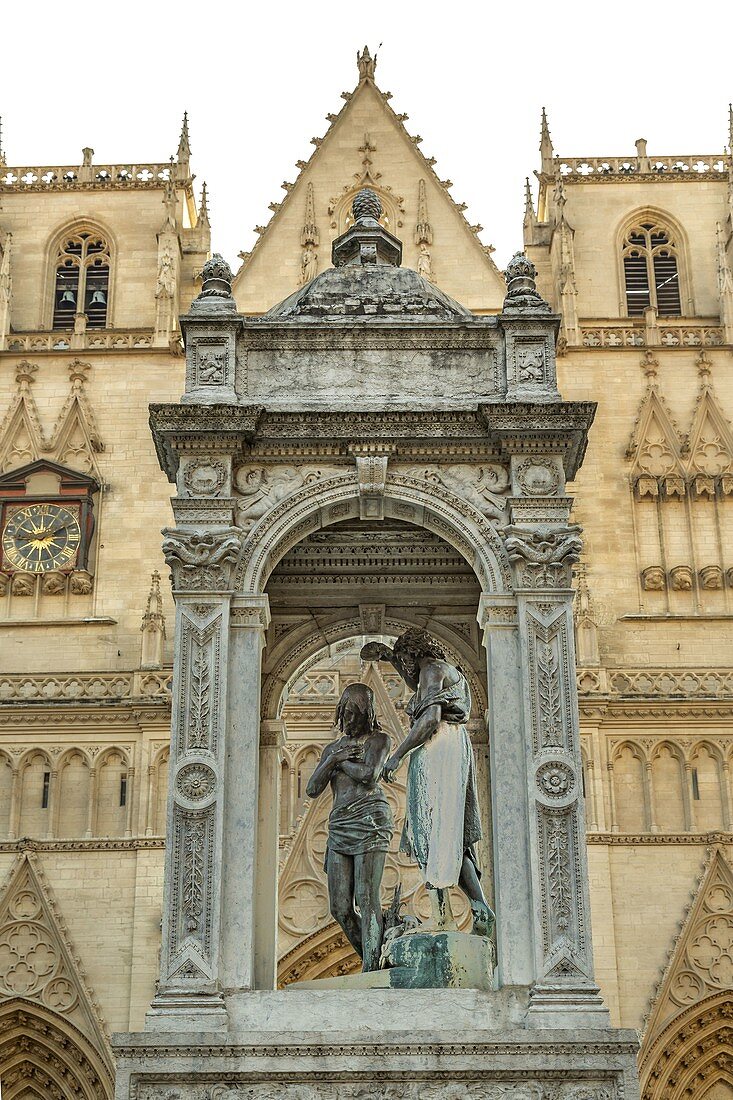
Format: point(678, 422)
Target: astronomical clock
point(46, 519)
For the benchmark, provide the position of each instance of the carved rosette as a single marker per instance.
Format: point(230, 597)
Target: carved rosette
point(202, 560)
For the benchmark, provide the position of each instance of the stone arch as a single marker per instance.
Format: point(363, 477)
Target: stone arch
point(161, 764)
point(409, 499)
point(44, 1056)
point(110, 811)
point(668, 795)
point(35, 792)
point(325, 953)
point(692, 1054)
point(630, 792)
point(304, 647)
point(70, 226)
point(6, 790)
point(708, 794)
point(665, 220)
point(74, 780)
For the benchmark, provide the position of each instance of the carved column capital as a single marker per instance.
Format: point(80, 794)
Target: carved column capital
point(543, 556)
point(202, 561)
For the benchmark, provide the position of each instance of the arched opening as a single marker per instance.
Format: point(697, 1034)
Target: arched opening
point(74, 784)
point(338, 587)
point(44, 1057)
point(6, 788)
point(35, 797)
point(112, 794)
point(692, 1058)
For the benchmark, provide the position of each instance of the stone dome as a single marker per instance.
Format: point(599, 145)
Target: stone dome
point(367, 281)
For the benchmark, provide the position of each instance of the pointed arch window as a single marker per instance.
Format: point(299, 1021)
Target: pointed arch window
point(651, 271)
point(82, 280)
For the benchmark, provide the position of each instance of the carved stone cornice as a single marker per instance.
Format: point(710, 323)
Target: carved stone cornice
point(497, 429)
point(95, 844)
point(703, 840)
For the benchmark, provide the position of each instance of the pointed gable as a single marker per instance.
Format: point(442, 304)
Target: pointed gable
point(21, 435)
point(656, 445)
point(710, 446)
point(39, 962)
point(367, 145)
point(701, 961)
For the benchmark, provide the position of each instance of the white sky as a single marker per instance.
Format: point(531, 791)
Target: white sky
point(257, 82)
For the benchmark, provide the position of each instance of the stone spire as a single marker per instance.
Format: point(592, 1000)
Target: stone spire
point(366, 64)
point(366, 241)
point(203, 216)
point(152, 627)
point(184, 143)
point(423, 229)
point(309, 233)
point(530, 218)
point(2, 151)
point(546, 150)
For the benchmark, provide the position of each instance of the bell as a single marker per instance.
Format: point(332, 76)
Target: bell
point(68, 298)
point(99, 298)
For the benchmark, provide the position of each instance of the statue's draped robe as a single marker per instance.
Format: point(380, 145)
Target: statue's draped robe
point(442, 820)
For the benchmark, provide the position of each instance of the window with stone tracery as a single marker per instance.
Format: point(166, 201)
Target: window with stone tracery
point(82, 280)
point(651, 272)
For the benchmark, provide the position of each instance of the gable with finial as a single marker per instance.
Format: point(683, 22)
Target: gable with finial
point(699, 975)
point(40, 966)
point(710, 442)
point(656, 445)
point(74, 440)
point(367, 145)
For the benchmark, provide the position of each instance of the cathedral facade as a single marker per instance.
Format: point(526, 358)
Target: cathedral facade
point(97, 263)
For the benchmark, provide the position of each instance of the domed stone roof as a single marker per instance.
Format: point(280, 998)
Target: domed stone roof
point(367, 281)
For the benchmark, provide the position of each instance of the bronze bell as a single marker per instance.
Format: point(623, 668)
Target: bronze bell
point(99, 298)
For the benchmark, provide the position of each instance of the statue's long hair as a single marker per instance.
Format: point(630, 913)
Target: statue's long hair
point(416, 643)
point(363, 697)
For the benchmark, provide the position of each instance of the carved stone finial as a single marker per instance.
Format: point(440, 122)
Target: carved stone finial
point(366, 241)
point(366, 204)
point(2, 151)
point(546, 150)
point(522, 293)
point(650, 366)
point(216, 291)
point(366, 64)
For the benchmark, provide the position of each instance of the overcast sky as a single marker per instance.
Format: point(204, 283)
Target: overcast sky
point(258, 80)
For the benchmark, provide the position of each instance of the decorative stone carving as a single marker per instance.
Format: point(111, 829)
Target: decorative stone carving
point(522, 293)
point(23, 584)
point(711, 577)
point(653, 579)
point(555, 779)
point(308, 264)
point(196, 781)
point(484, 486)
point(538, 477)
point(543, 558)
point(205, 478)
point(54, 583)
point(4, 584)
point(152, 627)
point(464, 1085)
point(260, 488)
point(81, 582)
point(202, 560)
point(216, 290)
point(681, 578)
point(371, 472)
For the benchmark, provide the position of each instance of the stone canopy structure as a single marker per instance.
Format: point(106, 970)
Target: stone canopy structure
point(369, 401)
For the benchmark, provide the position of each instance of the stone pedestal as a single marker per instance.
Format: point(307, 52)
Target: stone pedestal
point(381, 1045)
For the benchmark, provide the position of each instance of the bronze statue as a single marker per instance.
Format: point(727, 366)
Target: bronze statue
point(360, 826)
point(442, 821)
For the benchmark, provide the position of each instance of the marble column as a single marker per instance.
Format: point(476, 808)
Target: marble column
point(543, 549)
point(272, 739)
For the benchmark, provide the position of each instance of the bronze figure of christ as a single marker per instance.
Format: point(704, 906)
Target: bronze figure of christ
point(360, 826)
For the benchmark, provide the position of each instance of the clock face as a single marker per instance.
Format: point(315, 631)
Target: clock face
point(41, 537)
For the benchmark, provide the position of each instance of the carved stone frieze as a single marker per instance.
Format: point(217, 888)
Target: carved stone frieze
point(461, 1085)
point(205, 477)
point(202, 560)
point(260, 488)
point(484, 485)
point(538, 477)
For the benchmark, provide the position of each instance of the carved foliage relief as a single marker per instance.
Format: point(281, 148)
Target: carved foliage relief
point(195, 783)
point(464, 1086)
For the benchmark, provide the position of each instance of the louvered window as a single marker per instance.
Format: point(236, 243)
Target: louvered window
point(650, 272)
point(82, 281)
